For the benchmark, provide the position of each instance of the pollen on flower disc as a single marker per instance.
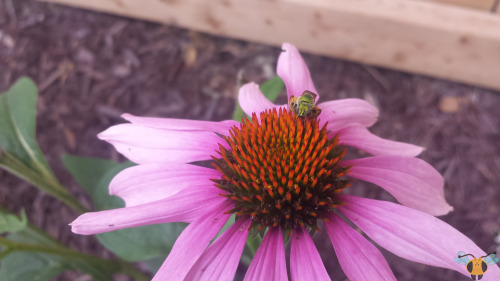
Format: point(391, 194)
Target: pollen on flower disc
point(281, 171)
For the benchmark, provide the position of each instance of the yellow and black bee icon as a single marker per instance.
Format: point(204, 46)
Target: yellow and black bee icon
point(476, 266)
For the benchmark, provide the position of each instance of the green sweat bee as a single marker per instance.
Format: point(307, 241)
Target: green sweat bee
point(304, 106)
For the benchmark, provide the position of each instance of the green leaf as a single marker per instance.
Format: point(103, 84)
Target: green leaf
point(18, 121)
point(155, 264)
point(238, 113)
point(253, 243)
point(12, 223)
point(142, 243)
point(20, 153)
point(227, 225)
point(94, 176)
point(30, 266)
point(132, 244)
point(271, 89)
point(31, 254)
point(43, 267)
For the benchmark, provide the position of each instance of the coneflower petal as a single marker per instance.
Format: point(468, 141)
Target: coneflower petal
point(151, 145)
point(358, 257)
point(252, 100)
point(358, 136)
point(305, 262)
point(154, 181)
point(181, 124)
point(294, 72)
point(191, 244)
point(269, 261)
point(185, 206)
point(339, 113)
point(226, 251)
point(412, 181)
point(411, 234)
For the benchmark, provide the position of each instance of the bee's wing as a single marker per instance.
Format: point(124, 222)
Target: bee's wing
point(462, 260)
point(491, 259)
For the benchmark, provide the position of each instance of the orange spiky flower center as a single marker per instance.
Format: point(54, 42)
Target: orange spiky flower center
point(281, 171)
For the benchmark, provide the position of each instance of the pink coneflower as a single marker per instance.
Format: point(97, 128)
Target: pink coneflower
point(281, 174)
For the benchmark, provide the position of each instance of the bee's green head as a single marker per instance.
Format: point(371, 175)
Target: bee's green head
point(305, 103)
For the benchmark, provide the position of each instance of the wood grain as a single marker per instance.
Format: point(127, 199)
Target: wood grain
point(485, 5)
point(416, 36)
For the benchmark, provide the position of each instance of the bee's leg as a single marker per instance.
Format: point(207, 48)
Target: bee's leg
point(315, 111)
point(473, 277)
point(479, 277)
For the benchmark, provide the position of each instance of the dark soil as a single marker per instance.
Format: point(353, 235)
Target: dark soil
point(91, 67)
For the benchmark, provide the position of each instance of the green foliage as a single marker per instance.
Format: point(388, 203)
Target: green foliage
point(133, 244)
point(12, 223)
point(31, 254)
point(20, 153)
point(155, 264)
point(142, 243)
point(227, 225)
point(44, 267)
point(31, 266)
point(271, 89)
point(253, 243)
point(94, 176)
point(28, 253)
point(17, 120)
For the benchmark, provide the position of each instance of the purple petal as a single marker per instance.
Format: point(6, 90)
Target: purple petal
point(181, 124)
point(185, 206)
point(358, 136)
point(411, 234)
point(151, 145)
point(294, 72)
point(192, 243)
point(220, 260)
point(359, 258)
point(339, 113)
point(269, 262)
point(412, 181)
point(305, 262)
point(252, 100)
point(151, 182)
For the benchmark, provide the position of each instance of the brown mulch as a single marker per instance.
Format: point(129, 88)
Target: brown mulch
point(91, 67)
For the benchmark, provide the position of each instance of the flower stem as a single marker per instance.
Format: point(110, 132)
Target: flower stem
point(117, 266)
point(49, 245)
point(43, 180)
point(130, 270)
point(253, 244)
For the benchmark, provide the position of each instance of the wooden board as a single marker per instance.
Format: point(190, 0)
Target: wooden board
point(416, 36)
point(486, 5)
